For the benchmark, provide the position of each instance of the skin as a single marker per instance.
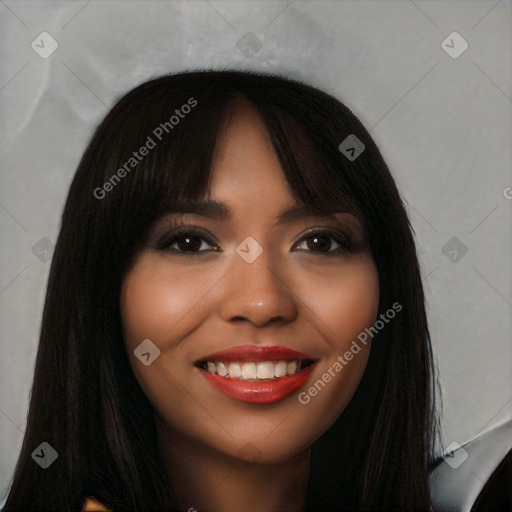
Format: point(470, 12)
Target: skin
point(223, 454)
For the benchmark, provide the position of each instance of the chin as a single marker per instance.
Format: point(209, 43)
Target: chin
point(281, 449)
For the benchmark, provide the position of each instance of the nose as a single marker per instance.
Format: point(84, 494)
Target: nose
point(257, 293)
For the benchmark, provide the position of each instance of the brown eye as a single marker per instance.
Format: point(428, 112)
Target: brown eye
point(318, 243)
point(189, 242)
point(326, 242)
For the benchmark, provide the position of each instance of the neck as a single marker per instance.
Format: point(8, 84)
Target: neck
point(206, 480)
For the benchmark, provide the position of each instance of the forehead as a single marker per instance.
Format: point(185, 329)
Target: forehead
point(245, 167)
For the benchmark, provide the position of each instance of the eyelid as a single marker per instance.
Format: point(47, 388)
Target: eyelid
point(177, 229)
point(346, 240)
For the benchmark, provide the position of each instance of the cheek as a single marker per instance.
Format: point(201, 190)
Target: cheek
point(342, 305)
point(154, 301)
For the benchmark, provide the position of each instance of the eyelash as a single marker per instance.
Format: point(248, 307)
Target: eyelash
point(343, 240)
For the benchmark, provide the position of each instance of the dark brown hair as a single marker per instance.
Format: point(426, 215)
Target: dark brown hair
point(85, 400)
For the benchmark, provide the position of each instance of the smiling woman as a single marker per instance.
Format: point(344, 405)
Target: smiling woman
point(191, 308)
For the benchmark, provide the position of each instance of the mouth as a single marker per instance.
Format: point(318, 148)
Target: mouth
point(255, 374)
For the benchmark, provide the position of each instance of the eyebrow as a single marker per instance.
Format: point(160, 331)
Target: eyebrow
point(221, 211)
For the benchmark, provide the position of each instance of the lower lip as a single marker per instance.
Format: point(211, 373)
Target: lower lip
point(259, 392)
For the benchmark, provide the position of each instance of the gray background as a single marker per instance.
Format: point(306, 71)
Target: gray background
point(444, 126)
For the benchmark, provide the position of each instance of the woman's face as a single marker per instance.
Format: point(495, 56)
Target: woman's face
point(249, 310)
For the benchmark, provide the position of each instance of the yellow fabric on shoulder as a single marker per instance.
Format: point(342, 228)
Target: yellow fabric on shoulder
point(93, 504)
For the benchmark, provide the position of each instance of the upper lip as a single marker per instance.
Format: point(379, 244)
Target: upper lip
point(256, 353)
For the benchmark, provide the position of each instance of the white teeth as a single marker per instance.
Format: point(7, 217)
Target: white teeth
point(262, 370)
point(249, 371)
point(221, 369)
point(234, 370)
point(292, 366)
point(280, 369)
point(265, 370)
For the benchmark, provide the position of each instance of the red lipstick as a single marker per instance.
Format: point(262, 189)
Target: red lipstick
point(259, 392)
point(254, 390)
